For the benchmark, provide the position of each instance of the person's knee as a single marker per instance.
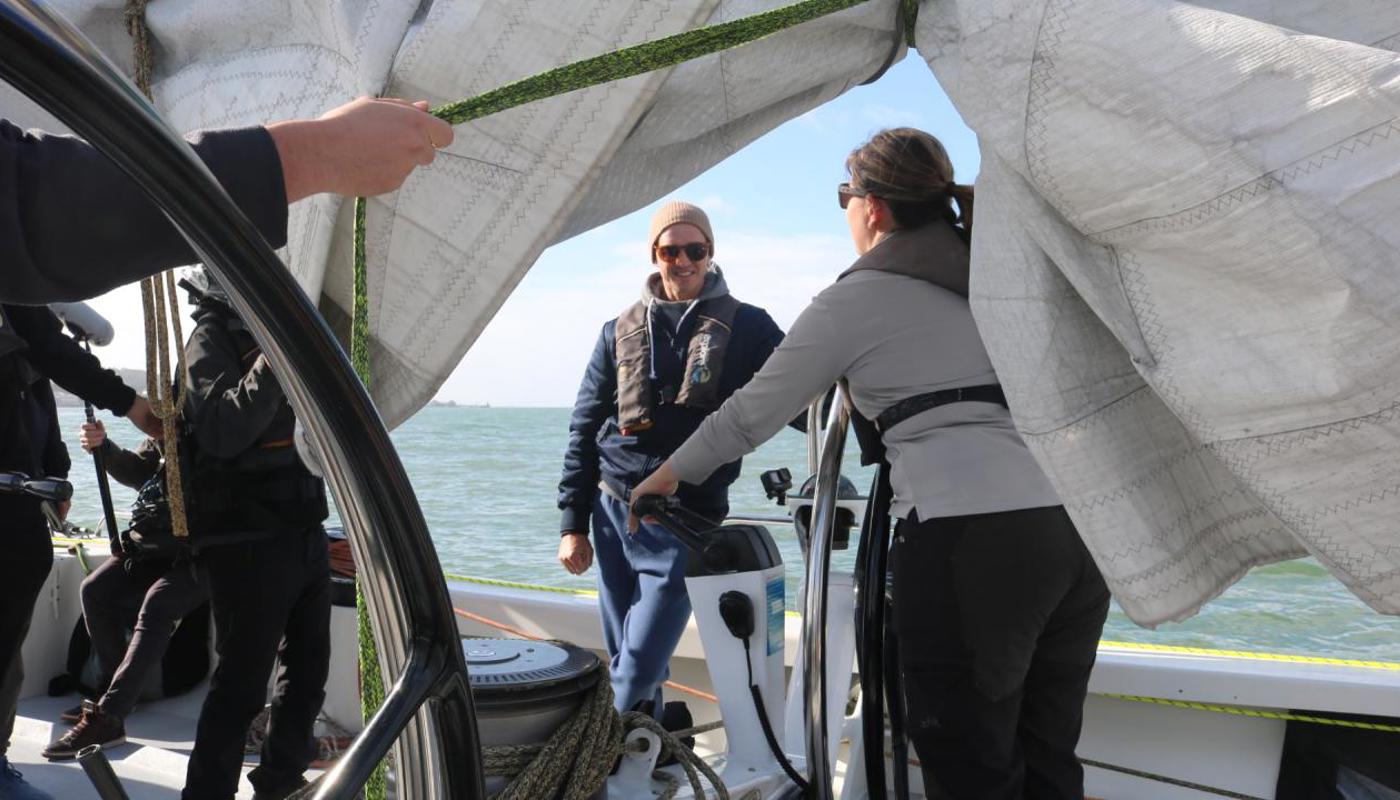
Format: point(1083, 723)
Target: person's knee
point(157, 616)
point(166, 606)
point(93, 591)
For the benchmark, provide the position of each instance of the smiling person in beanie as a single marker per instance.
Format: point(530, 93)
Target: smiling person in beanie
point(657, 370)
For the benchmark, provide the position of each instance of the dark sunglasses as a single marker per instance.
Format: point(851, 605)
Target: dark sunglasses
point(671, 253)
point(845, 191)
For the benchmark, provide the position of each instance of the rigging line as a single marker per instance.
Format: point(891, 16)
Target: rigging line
point(641, 58)
point(1185, 784)
point(164, 400)
point(1242, 711)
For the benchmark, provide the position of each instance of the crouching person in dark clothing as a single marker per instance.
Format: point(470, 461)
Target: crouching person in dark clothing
point(256, 514)
point(149, 595)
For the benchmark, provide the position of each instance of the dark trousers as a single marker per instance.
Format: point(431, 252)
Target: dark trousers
point(998, 618)
point(150, 597)
point(24, 566)
point(271, 600)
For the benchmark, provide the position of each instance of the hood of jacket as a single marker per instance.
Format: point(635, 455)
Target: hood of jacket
point(715, 286)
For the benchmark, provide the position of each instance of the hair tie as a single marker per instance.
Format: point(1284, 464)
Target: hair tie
point(963, 194)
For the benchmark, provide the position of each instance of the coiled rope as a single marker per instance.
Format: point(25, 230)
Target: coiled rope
point(576, 761)
point(513, 760)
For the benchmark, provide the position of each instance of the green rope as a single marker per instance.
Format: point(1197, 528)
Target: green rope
point(639, 59)
point(359, 322)
point(79, 552)
point(619, 64)
point(371, 679)
point(371, 690)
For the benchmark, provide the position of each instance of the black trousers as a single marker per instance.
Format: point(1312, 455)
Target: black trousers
point(26, 556)
point(998, 618)
point(271, 600)
point(150, 597)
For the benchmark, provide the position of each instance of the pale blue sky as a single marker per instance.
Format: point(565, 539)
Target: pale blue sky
point(779, 236)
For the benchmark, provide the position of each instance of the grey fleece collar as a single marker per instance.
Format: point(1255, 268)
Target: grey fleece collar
point(715, 286)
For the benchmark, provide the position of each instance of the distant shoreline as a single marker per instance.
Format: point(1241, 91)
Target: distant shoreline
point(136, 379)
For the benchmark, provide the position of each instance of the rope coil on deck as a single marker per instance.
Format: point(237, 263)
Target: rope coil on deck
point(576, 761)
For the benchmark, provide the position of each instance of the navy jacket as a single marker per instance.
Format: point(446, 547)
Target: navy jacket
point(599, 452)
point(73, 225)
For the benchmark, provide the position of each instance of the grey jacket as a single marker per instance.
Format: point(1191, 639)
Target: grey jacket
point(892, 337)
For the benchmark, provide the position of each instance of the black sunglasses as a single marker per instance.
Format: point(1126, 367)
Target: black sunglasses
point(671, 253)
point(845, 191)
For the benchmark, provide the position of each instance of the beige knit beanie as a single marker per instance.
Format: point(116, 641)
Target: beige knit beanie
point(675, 213)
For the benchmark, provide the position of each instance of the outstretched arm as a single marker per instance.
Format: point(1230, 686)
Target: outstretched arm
point(73, 225)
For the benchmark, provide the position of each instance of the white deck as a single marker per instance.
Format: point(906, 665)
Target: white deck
point(151, 764)
point(1232, 752)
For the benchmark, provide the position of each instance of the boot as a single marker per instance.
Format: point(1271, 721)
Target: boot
point(93, 728)
point(675, 716)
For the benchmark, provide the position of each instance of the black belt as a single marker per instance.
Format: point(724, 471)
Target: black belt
point(919, 403)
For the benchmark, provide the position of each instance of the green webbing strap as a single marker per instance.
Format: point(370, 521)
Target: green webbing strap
point(371, 680)
point(625, 63)
point(639, 59)
point(910, 10)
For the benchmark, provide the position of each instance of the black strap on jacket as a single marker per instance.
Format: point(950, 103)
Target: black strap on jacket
point(919, 403)
point(868, 434)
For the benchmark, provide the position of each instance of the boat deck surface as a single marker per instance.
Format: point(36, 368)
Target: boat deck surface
point(151, 765)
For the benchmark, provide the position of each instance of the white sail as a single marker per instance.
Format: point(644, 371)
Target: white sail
point(1185, 262)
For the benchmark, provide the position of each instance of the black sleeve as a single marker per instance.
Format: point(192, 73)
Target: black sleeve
point(55, 459)
point(63, 361)
point(132, 468)
point(226, 409)
point(73, 225)
point(597, 400)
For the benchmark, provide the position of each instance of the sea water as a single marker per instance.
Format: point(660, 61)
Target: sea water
point(487, 479)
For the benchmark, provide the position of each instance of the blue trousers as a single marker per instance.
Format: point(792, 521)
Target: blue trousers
point(641, 591)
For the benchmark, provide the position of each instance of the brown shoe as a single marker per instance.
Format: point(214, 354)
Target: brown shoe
point(72, 715)
point(93, 728)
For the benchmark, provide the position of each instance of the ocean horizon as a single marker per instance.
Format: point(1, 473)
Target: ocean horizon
point(487, 478)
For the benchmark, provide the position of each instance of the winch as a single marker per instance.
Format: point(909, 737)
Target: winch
point(525, 690)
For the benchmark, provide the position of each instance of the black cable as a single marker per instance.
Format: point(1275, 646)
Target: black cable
point(768, 726)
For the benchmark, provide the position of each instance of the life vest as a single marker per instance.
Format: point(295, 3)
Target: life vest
point(699, 389)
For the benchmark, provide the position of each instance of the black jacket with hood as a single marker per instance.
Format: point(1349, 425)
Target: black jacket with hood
point(245, 474)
